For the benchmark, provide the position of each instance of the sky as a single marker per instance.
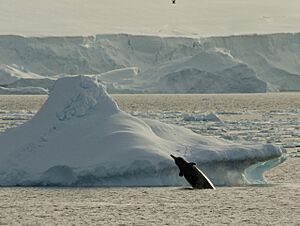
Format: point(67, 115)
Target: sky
point(151, 17)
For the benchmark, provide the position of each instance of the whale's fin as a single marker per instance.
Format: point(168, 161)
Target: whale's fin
point(180, 173)
point(192, 163)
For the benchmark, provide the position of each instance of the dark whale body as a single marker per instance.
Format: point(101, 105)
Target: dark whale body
point(192, 174)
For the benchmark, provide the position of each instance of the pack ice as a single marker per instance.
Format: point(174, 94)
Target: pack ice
point(81, 138)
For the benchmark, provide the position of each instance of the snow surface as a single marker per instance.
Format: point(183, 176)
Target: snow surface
point(81, 138)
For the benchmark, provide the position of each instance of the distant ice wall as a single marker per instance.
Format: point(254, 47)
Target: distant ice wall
point(273, 59)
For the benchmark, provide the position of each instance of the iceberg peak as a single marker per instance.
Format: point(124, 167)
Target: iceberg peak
point(78, 96)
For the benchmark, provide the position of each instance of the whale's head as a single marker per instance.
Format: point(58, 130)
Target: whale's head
point(178, 160)
point(181, 163)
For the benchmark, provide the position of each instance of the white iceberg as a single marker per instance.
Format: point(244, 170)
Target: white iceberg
point(12, 73)
point(81, 138)
point(15, 79)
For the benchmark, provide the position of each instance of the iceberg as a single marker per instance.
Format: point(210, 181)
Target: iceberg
point(80, 137)
point(19, 80)
point(12, 73)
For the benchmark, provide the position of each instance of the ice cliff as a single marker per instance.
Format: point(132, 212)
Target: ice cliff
point(136, 63)
point(81, 138)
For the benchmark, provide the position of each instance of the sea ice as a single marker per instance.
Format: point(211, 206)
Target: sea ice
point(211, 117)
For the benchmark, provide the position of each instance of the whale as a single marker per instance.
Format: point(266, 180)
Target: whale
point(192, 174)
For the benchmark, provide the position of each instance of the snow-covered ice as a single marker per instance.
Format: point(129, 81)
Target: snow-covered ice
point(153, 64)
point(80, 137)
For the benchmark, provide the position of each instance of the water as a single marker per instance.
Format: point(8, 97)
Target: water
point(263, 118)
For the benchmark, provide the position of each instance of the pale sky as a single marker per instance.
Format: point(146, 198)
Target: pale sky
point(158, 17)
